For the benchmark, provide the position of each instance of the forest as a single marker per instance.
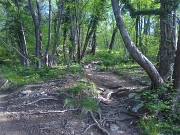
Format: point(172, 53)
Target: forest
point(43, 40)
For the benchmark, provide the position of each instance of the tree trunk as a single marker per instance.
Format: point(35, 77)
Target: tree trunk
point(176, 73)
point(93, 49)
point(134, 52)
point(37, 33)
point(49, 35)
point(167, 49)
point(39, 23)
point(61, 8)
point(73, 40)
point(25, 60)
point(78, 30)
point(89, 34)
point(113, 38)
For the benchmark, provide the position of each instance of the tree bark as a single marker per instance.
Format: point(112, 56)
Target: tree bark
point(24, 46)
point(176, 73)
point(49, 35)
point(94, 44)
point(134, 52)
point(37, 33)
point(167, 48)
point(88, 36)
point(113, 38)
point(61, 8)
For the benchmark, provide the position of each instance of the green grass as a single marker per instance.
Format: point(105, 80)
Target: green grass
point(19, 75)
point(162, 117)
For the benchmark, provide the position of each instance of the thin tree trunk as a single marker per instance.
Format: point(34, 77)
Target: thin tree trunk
point(93, 50)
point(88, 36)
point(61, 8)
point(134, 52)
point(37, 33)
point(113, 38)
point(49, 35)
point(137, 30)
point(78, 30)
point(73, 41)
point(39, 23)
point(64, 45)
point(24, 46)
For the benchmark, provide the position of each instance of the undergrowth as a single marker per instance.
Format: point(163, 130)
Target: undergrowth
point(82, 95)
point(164, 111)
point(20, 75)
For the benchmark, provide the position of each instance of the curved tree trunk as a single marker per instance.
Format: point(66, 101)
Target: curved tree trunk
point(134, 52)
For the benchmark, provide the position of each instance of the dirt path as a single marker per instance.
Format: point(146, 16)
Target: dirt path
point(37, 109)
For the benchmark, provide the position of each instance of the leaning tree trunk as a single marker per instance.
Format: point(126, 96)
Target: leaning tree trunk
point(89, 34)
point(176, 73)
point(134, 52)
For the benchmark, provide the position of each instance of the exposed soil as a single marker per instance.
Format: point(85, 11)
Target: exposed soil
point(37, 109)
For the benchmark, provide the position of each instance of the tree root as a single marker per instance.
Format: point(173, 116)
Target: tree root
point(58, 111)
point(88, 128)
point(49, 98)
point(98, 125)
point(131, 114)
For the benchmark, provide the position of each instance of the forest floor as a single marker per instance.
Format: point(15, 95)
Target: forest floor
point(37, 109)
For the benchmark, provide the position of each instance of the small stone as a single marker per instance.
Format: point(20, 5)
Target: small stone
point(120, 132)
point(26, 92)
point(4, 83)
point(114, 128)
point(132, 95)
point(136, 108)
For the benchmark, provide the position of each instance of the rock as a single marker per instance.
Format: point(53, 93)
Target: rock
point(114, 128)
point(136, 108)
point(4, 83)
point(132, 95)
point(26, 92)
point(120, 132)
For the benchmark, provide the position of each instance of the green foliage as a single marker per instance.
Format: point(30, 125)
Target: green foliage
point(83, 95)
point(89, 103)
point(19, 75)
point(163, 117)
point(149, 127)
point(77, 89)
point(106, 58)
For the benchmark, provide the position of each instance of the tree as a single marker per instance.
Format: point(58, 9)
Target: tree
point(49, 35)
point(96, 17)
point(23, 45)
point(176, 73)
point(115, 30)
point(168, 33)
point(37, 33)
point(134, 52)
point(60, 12)
point(167, 48)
